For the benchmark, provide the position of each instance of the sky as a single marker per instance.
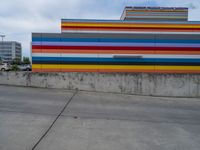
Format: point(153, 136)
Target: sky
point(19, 18)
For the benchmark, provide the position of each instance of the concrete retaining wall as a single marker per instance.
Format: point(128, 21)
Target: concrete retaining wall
point(176, 85)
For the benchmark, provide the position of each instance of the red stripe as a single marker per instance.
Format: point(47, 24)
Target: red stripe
point(114, 52)
point(119, 48)
point(96, 27)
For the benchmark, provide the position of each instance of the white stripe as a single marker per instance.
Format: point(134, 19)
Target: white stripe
point(112, 55)
point(177, 45)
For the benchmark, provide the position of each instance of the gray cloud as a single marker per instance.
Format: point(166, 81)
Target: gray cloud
point(19, 18)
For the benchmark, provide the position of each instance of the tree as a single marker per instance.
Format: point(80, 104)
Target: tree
point(26, 60)
point(14, 67)
point(16, 61)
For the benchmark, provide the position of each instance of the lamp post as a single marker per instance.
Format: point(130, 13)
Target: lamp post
point(2, 36)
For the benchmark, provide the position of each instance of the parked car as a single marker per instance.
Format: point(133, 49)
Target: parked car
point(5, 67)
point(20, 66)
point(24, 67)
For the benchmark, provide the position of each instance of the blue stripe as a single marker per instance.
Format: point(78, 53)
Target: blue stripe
point(117, 59)
point(37, 39)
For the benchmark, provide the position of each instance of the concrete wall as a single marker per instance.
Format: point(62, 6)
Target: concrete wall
point(175, 85)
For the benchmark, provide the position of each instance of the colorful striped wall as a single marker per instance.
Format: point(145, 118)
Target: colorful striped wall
point(155, 14)
point(120, 45)
point(116, 52)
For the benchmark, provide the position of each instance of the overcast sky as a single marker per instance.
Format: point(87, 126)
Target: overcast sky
point(19, 18)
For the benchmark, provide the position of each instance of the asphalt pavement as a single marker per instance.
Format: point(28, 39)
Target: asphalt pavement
point(50, 119)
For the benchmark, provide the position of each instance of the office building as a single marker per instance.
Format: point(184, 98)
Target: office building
point(10, 50)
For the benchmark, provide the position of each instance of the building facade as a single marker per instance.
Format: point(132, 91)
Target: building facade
point(10, 50)
point(125, 45)
point(155, 14)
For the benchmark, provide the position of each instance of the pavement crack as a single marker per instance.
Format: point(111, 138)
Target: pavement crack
point(59, 115)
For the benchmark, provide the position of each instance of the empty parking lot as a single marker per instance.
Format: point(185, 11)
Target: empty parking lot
point(50, 119)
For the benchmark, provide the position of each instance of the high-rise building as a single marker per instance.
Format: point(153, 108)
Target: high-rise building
point(10, 50)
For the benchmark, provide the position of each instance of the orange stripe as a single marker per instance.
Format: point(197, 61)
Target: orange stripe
point(180, 53)
point(36, 50)
point(116, 70)
point(125, 70)
point(64, 70)
point(79, 70)
point(177, 71)
point(125, 52)
point(152, 71)
point(46, 70)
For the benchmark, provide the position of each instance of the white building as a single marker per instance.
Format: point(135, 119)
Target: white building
point(10, 50)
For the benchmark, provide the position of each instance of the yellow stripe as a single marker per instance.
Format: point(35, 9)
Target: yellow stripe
point(92, 66)
point(131, 67)
point(177, 67)
point(128, 25)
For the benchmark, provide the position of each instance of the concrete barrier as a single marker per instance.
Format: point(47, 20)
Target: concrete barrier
point(170, 85)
